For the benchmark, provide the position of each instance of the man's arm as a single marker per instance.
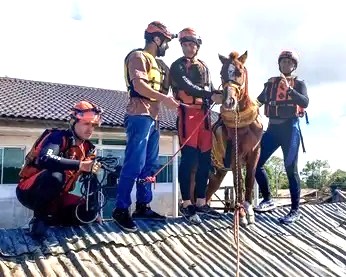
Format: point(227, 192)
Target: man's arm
point(299, 94)
point(261, 99)
point(178, 75)
point(49, 155)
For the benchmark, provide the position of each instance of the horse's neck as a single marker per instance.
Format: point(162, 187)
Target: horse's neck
point(244, 103)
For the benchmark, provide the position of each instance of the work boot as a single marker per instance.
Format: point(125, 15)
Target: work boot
point(190, 214)
point(143, 211)
point(207, 210)
point(265, 206)
point(124, 220)
point(38, 227)
point(291, 217)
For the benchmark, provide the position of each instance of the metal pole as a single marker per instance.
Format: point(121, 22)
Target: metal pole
point(175, 188)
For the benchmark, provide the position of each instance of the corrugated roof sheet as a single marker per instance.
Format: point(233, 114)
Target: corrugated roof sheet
point(314, 246)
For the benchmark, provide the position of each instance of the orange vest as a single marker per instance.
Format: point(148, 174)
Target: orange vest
point(278, 103)
point(77, 152)
point(198, 73)
point(67, 150)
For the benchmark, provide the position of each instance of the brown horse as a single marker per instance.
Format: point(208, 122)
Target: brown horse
point(238, 125)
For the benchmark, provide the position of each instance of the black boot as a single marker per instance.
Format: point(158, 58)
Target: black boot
point(123, 218)
point(143, 211)
point(38, 227)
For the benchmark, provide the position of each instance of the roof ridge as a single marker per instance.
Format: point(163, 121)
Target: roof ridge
point(57, 84)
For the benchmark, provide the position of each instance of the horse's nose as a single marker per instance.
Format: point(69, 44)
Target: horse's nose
point(230, 104)
point(234, 103)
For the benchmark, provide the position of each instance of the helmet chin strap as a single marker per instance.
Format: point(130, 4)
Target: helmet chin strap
point(191, 58)
point(160, 51)
point(72, 128)
point(288, 74)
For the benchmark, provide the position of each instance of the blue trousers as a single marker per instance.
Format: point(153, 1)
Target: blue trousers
point(286, 136)
point(141, 159)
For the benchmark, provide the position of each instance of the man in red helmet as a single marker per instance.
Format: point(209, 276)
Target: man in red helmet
point(52, 167)
point(284, 99)
point(147, 82)
point(192, 86)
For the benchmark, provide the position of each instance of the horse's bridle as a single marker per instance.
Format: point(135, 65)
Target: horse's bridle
point(235, 85)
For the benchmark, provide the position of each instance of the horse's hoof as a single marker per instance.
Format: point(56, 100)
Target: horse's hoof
point(243, 222)
point(250, 214)
point(251, 219)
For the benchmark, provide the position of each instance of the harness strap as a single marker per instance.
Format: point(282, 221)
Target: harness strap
point(301, 139)
point(183, 117)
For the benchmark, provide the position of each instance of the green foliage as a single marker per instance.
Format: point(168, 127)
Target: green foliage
point(316, 174)
point(276, 174)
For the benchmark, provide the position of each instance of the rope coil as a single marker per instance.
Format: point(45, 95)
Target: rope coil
point(91, 188)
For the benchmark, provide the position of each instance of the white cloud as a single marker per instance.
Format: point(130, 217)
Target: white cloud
point(42, 40)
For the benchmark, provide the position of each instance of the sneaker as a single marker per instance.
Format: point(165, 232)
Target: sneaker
point(292, 216)
point(190, 214)
point(38, 227)
point(123, 218)
point(265, 206)
point(207, 210)
point(143, 211)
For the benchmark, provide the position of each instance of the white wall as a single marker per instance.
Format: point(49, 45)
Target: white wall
point(15, 215)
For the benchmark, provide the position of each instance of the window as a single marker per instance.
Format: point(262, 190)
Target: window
point(107, 152)
point(166, 175)
point(111, 180)
point(109, 191)
point(113, 141)
point(11, 161)
point(94, 141)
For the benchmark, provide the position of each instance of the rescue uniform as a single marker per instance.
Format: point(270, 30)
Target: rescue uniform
point(283, 107)
point(49, 175)
point(192, 86)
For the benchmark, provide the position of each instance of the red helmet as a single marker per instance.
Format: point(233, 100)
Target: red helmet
point(157, 28)
point(290, 55)
point(85, 111)
point(189, 34)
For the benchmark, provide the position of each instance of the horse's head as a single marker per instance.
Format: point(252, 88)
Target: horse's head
point(234, 80)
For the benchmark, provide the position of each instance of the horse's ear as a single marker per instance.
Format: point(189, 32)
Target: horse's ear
point(243, 57)
point(223, 59)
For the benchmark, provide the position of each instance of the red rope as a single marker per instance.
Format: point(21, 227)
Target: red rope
point(236, 234)
point(152, 178)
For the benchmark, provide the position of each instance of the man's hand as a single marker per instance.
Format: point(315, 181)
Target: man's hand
point(288, 86)
point(95, 167)
point(285, 80)
point(170, 102)
point(217, 97)
point(89, 166)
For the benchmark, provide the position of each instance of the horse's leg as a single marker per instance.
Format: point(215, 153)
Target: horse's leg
point(251, 164)
point(214, 183)
point(193, 184)
point(238, 188)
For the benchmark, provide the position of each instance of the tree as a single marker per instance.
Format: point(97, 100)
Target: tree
point(316, 174)
point(338, 176)
point(276, 174)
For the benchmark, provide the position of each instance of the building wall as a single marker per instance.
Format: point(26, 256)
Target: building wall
point(19, 135)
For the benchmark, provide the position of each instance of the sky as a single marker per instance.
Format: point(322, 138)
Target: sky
point(84, 42)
